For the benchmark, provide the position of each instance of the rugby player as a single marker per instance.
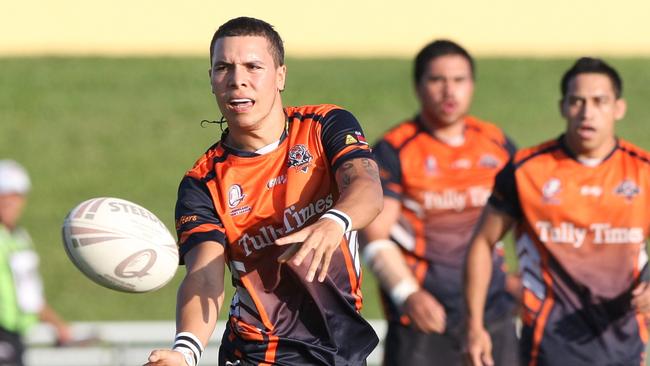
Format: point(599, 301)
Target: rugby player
point(437, 171)
point(580, 205)
point(278, 199)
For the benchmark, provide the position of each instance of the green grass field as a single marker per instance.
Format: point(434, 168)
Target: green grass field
point(130, 127)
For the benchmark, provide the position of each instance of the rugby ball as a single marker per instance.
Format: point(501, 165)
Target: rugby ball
point(120, 245)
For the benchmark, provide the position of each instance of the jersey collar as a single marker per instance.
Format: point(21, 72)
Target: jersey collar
point(573, 156)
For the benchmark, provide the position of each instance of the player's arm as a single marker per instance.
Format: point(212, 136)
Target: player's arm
point(360, 194)
point(359, 202)
point(478, 271)
point(200, 295)
point(48, 315)
point(385, 258)
point(386, 261)
point(498, 216)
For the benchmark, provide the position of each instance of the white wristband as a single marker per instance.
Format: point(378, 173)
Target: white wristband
point(190, 346)
point(371, 249)
point(340, 217)
point(402, 291)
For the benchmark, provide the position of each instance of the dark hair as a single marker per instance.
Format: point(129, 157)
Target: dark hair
point(435, 49)
point(589, 65)
point(245, 26)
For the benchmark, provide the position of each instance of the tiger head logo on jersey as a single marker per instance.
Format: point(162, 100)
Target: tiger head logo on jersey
point(489, 161)
point(627, 189)
point(299, 158)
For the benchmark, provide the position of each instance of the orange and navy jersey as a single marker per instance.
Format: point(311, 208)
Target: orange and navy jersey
point(245, 201)
point(443, 189)
point(581, 244)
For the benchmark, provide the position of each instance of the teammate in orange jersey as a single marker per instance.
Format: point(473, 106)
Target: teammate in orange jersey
point(580, 204)
point(437, 172)
point(277, 199)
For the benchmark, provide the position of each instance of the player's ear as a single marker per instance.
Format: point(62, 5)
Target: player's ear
point(281, 76)
point(210, 77)
point(620, 107)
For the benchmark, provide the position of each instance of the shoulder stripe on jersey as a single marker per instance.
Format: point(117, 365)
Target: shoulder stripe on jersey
point(634, 154)
point(546, 150)
point(316, 117)
point(420, 129)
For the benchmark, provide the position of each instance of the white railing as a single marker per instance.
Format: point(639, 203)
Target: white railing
point(126, 344)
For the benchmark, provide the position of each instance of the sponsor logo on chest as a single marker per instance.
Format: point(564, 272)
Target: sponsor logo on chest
point(598, 233)
point(458, 200)
point(293, 218)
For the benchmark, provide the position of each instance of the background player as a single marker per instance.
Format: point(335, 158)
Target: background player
point(437, 172)
point(580, 203)
point(22, 303)
point(302, 171)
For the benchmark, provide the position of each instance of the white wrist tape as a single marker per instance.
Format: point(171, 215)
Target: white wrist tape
point(340, 217)
point(189, 345)
point(371, 249)
point(403, 290)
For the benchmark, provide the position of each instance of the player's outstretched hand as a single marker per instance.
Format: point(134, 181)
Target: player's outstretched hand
point(479, 347)
point(322, 238)
point(641, 299)
point(165, 357)
point(426, 313)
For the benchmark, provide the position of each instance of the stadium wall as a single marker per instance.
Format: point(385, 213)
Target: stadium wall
point(334, 28)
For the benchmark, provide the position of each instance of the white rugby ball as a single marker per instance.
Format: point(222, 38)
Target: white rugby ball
point(120, 245)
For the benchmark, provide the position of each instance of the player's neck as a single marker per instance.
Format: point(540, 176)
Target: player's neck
point(450, 133)
point(591, 156)
point(260, 136)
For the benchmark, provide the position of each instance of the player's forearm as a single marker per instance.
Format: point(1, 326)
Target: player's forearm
point(478, 272)
point(201, 293)
point(198, 304)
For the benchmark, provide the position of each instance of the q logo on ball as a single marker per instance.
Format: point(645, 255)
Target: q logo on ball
point(137, 264)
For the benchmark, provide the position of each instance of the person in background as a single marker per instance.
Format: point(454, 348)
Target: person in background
point(437, 171)
point(581, 207)
point(22, 302)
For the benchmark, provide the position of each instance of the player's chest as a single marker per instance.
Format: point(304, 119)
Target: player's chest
point(566, 198)
point(441, 179)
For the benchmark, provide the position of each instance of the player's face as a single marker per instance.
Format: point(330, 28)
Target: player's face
point(445, 89)
point(591, 110)
point(11, 207)
point(246, 81)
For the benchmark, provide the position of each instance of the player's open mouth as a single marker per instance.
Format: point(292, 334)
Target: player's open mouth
point(586, 131)
point(449, 106)
point(241, 104)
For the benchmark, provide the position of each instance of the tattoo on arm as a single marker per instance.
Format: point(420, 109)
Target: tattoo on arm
point(347, 173)
point(371, 168)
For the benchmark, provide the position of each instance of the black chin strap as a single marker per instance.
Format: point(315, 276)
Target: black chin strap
point(220, 122)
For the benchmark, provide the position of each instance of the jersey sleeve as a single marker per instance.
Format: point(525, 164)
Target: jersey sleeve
point(196, 218)
point(390, 169)
point(504, 195)
point(342, 138)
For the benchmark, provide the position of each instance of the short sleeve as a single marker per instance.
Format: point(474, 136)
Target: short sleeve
point(390, 169)
point(343, 138)
point(504, 195)
point(196, 218)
